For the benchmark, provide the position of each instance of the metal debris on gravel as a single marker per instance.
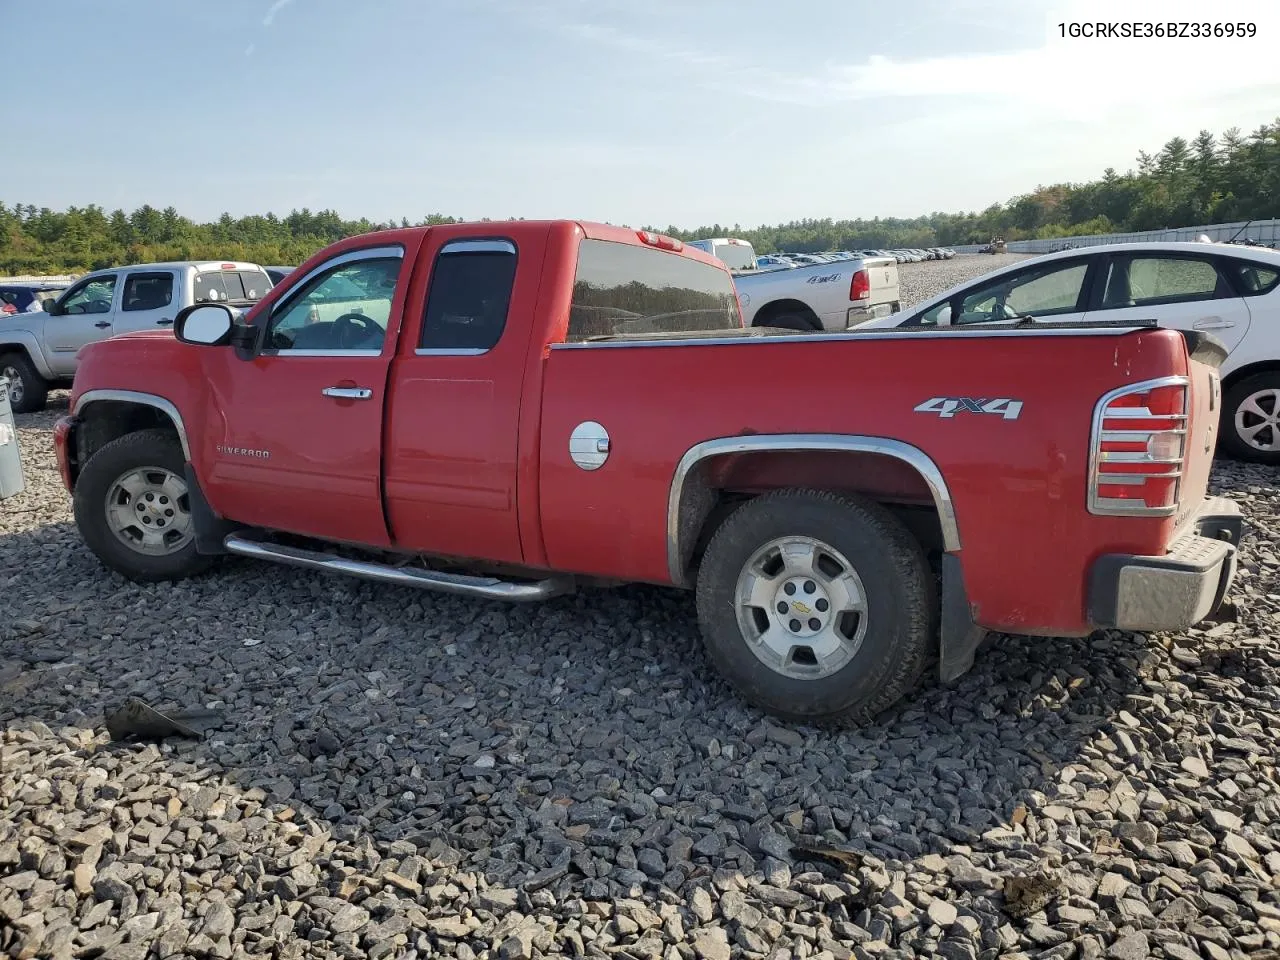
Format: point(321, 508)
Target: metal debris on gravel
point(407, 774)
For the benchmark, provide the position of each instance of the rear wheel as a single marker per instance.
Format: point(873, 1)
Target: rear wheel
point(134, 511)
point(28, 391)
point(816, 607)
point(1251, 418)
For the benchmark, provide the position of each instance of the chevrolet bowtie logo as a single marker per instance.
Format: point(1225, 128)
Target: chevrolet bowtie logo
point(800, 607)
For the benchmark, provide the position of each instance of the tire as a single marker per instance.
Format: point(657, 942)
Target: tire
point(143, 459)
point(1250, 426)
point(790, 321)
point(28, 391)
point(878, 654)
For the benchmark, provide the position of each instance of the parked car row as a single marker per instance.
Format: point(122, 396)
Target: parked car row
point(767, 261)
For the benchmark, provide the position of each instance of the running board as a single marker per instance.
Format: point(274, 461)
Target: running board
point(488, 587)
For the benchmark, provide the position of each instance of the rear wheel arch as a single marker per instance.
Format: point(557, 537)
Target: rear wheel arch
point(1248, 370)
point(786, 309)
point(699, 501)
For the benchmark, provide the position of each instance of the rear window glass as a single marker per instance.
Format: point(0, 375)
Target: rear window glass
point(621, 288)
point(1255, 278)
point(211, 285)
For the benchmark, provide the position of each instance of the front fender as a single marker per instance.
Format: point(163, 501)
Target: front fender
point(29, 343)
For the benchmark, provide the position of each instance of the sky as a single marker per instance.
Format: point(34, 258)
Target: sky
point(685, 112)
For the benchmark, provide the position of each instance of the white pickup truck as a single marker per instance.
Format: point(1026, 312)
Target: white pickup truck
point(819, 296)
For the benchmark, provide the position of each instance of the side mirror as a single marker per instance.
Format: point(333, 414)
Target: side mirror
point(944, 316)
point(204, 325)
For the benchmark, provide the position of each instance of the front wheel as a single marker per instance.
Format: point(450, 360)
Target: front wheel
point(28, 391)
point(1251, 418)
point(134, 511)
point(816, 607)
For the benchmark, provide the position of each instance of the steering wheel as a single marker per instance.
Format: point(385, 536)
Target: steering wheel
point(343, 324)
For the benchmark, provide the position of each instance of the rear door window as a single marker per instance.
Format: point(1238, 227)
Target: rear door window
point(470, 296)
point(1255, 279)
point(147, 291)
point(1141, 281)
point(623, 288)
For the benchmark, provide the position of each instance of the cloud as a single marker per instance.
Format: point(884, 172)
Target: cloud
point(248, 51)
point(275, 8)
point(1076, 78)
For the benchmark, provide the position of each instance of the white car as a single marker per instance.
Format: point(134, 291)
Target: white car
point(1227, 290)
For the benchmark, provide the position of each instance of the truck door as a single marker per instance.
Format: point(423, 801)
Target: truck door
point(147, 301)
point(296, 432)
point(453, 420)
point(83, 315)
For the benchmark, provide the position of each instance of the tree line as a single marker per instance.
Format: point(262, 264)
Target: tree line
point(1209, 179)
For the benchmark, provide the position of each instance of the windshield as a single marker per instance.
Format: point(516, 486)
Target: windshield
point(623, 288)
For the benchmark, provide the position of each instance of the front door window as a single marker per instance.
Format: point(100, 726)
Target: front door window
point(345, 309)
point(1042, 292)
point(94, 297)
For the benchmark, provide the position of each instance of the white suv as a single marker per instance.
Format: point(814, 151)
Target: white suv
point(1230, 291)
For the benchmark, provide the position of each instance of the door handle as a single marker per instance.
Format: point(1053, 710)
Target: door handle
point(102, 324)
point(1212, 323)
point(348, 393)
point(164, 321)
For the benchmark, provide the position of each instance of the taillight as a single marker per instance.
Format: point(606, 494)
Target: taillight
point(1137, 448)
point(860, 286)
point(659, 240)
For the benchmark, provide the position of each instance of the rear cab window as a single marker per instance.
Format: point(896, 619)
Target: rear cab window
point(243, 286)
point(623, 288)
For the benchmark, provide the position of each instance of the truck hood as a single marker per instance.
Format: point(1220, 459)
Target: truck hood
point(138, 346)
point(32, 323)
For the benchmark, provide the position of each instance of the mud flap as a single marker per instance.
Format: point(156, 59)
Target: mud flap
point(960, 636)
point(211, 529)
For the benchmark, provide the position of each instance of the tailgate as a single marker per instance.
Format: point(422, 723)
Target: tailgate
point(883, 272)
point(1203, 411)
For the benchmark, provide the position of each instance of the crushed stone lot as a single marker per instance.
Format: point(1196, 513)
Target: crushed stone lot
point(388, 773)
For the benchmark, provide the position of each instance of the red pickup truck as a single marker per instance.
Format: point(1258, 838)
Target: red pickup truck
point(515, 410)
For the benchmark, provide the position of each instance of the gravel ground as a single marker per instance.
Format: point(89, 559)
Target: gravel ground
point(400, 774)
point(920, 281)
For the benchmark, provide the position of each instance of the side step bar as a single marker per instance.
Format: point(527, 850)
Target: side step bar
point(488, 587)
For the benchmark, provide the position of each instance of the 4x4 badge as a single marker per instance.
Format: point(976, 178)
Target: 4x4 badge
point(947, 407)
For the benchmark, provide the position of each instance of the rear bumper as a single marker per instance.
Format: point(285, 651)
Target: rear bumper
point(856, 316)
point(1176, 590)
